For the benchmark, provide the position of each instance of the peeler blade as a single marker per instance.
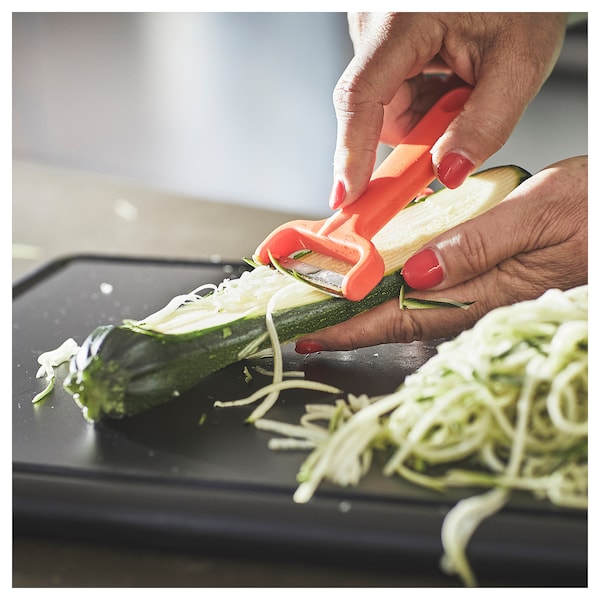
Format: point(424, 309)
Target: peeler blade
point(327, 281)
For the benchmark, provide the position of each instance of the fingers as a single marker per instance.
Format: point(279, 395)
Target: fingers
point(467, 250)
point(506, 75)
point(534, 240)
point(387, 323)
point(506, 57)
point(504, 84)
point(545, 211)
point(387, 52)
point(360, 119)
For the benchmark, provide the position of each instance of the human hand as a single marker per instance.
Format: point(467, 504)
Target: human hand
point(505, 57)
point(534, 240)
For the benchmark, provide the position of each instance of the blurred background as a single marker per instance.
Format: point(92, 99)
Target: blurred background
point(234, 107)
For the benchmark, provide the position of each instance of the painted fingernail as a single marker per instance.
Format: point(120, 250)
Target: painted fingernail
point(338, 194)
point(424, 193)
point(308, 347)
point(454, 169)
point(423, 270)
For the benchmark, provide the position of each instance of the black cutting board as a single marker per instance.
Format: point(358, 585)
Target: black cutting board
point(192, 476)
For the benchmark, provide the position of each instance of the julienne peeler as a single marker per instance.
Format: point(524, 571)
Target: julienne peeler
point(346, 235)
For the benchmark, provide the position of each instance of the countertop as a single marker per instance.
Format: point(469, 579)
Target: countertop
point(59, 212)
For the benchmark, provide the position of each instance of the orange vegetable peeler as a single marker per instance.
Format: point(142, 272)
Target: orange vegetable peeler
point(346, 235)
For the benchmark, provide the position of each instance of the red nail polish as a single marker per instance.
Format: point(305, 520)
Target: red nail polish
point(308, 347)
point(338, 193)
point(423, 270)
point(454, 169)
point(424, 193)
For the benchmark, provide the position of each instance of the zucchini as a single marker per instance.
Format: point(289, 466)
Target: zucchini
point(120, 371)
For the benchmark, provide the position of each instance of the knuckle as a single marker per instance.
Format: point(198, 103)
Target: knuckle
point(469, 252)
point(475, 252)
point(353, 94)
point(492, 130)
point(496, 131)
point(403, 329)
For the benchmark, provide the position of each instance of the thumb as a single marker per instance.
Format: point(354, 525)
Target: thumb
point(483, 127)
point(503, 86)
point(477, 246)
point(538, 233)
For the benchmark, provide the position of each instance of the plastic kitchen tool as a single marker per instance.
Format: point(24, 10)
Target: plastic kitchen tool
point(346, 235)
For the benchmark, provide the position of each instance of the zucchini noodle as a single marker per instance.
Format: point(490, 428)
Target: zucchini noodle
point(503, 406)
point(50, 359)
point(215, 305)
point(235, 299)
point(271, 392)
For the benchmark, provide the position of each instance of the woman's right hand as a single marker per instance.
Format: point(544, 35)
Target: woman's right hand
point(383, 92)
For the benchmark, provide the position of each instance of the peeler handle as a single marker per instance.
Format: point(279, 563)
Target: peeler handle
point(346, 235)
point(406, 171)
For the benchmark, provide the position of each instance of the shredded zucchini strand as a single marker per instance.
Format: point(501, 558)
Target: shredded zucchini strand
point(50, 359)
point(509, 395)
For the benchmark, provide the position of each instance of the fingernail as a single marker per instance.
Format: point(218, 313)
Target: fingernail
point(424, 193)
point(308, 347)
point(454, 169)
point(338, 193)
point(423, 270)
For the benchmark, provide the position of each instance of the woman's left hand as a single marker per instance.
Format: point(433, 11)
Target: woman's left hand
point(534, 240)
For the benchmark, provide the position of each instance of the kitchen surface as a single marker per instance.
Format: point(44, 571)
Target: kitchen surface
point(175, 137)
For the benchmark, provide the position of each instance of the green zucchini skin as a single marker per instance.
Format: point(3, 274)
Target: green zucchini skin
point(121, 371)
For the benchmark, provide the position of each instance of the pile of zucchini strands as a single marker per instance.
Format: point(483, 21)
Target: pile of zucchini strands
point(508, 398)
point(503, 406)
